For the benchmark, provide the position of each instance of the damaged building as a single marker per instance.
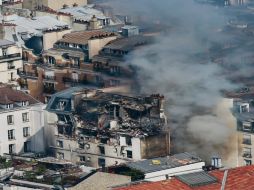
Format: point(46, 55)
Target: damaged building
point(243, 111)
point(100, 129)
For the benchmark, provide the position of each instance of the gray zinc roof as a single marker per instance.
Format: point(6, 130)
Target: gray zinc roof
point(163, 163)
point(6, 43)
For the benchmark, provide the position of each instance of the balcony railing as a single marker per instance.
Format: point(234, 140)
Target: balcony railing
point(27, 74)
point(11, 67)
point(47, 77)
point(247, 155)
point(74, 81)
point(15, 55)
point(247, 141)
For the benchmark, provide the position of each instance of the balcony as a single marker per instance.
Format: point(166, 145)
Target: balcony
point(246, 141)
point(28, 75)
point(11, 66)
point(73, 82)
point(10, 56)
point(247, 155)
point(49, 78)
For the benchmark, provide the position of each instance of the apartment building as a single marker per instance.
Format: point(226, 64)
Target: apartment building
point(111, 60)
point(35, 33)
point(67, 64)
point(102, 129)
point(243, 111)
point(10, 62)
point(22, 123)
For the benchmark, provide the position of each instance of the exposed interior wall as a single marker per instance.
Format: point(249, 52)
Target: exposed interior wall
point(155, 146)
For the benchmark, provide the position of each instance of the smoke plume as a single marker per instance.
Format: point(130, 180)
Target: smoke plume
point(178, 65)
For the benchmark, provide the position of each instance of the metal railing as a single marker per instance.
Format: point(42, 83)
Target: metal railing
point(15, 55)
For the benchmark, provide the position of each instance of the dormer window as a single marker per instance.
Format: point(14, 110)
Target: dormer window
point(62, 105)
point(9, 106)
point(24, 103)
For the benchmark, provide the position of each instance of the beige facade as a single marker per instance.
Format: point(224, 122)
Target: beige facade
point(10, 62)
point(51, 37)
point(95, 45)
point(53, 4)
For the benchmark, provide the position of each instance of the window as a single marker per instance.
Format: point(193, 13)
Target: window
point(247, 162)
point(11, 148)
point(129, 154)
point(82, 158)
point(81, 145)
point(88, 158)
point(60, 155)
point(9, 106)
point(11, 135)
point(59, 144)
point(11, 65)
point(62, 105)
point(26, 131)
point(102, 149)
point(10, 119)
point(101, 162)
point(4, 50)
point(247, 152)
point(51, 60)
point(246, 126)
point(24, 103)
point(27, 146)
point(244, 108)
point(25, 117)
point(246, 139)
point(128, 141)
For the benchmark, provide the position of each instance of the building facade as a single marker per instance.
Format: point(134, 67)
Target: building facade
point(101, 129)
point(10, 62)
point(70, 63)
point(22, 123)
point(243, 111)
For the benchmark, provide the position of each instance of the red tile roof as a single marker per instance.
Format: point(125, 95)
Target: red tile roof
point(241, 178)
point(82, 37)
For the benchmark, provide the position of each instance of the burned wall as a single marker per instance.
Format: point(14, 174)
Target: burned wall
point(155, 146)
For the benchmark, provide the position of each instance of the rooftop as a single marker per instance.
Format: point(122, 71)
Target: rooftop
point(102, 181)
point(163, 163)
point(84, 36)
point(84, 13)
point(25, 28)
point(127, 44)
point(236, 178)
point(6, 43)
point(11, 96)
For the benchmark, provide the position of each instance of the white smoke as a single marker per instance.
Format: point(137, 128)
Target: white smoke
point(178, 66)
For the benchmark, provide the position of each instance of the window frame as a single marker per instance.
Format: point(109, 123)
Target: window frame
point(12, 119)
